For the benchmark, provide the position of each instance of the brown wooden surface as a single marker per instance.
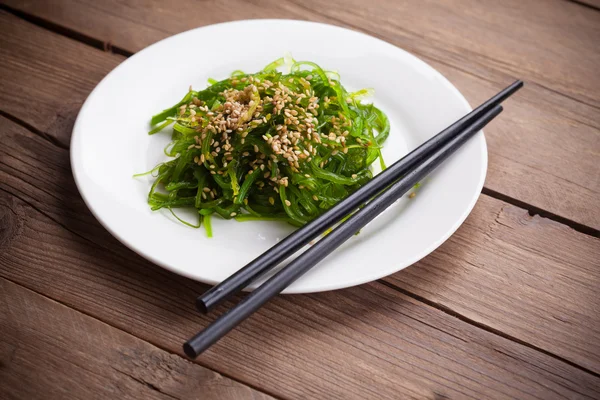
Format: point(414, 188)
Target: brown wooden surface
point(486, 257)
point(91, 358)
point(365, 342)
point(507, 308)
point(545, 152)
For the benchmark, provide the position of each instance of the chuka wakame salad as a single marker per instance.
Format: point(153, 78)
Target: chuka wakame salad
point(267, 146)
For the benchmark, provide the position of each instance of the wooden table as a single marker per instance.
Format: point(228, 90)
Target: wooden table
point(509, 307)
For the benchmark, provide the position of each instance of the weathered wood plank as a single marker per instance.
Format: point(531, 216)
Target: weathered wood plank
point(50, 351)
point(487, 38)
point(489, 312)
point(524, 161)
point(46, 78)
point(365, 342)
point(495, 270)
point(503, 36)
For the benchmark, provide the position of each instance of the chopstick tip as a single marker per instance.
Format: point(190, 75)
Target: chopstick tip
point(189, 350)
point(201, 305)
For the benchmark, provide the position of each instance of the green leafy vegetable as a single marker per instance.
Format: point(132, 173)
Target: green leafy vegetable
point(267, 146)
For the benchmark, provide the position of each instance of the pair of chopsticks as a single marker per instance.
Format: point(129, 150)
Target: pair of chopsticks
point(378, 194)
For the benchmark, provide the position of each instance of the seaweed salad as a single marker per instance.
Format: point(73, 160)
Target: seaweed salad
point(267, 146)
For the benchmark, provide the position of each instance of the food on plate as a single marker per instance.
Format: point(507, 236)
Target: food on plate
point(267, 146)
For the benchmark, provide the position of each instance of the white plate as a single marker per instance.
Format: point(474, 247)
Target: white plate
point(110, 144)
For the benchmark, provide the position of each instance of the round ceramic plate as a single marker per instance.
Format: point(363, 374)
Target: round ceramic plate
point(110, 143)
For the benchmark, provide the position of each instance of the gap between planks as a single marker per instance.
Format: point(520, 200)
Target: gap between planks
point(591, 4)
point(166, 350)
point(445, 309)
point(67, 32)
point(532, 210)
point(487, 328)
point(107, 47)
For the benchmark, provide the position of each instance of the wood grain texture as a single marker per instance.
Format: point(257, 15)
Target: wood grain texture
point(365, 342)
point(489, 264)
point(524, 161)
point(503, 36)
point(53, 245)
point(50, 351)
point(527, 278)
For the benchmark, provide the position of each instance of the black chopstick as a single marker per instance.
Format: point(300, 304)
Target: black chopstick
point(304, 262)
point(298, 239)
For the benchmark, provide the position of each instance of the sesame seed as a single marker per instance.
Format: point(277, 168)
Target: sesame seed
point(412, 195)
point(232, 214)
point(287, 203)
point(354, 176)
point(271, 200)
